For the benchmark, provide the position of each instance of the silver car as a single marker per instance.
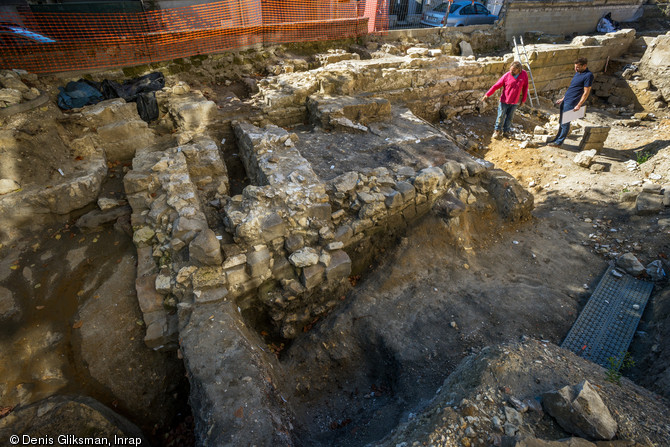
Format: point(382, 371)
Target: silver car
point(462, 13)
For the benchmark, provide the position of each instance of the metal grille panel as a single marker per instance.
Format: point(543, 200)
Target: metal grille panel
point(608, 322)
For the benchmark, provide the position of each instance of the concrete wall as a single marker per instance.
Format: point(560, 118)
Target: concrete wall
point(564, 17)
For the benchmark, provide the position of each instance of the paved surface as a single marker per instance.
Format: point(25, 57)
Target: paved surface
point(607, 323)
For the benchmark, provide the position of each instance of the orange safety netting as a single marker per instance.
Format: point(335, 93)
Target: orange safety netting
point(93, 41)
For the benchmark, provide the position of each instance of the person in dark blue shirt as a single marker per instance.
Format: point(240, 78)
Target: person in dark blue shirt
point(574, 97)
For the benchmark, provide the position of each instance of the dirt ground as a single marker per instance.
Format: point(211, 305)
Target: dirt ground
point(436, 297)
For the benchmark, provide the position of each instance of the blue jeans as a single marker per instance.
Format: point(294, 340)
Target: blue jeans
point(563, 129)
point(505, 115)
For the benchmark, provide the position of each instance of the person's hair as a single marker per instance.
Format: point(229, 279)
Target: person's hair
point(581, 61)
point(516, 64)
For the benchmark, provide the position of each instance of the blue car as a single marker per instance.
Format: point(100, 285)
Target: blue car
point(462, 13)
point(14, 36)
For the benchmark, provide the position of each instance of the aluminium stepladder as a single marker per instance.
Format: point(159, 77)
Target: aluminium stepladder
point(526, 63)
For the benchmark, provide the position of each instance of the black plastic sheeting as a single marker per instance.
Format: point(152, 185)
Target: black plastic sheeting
point(141, 90)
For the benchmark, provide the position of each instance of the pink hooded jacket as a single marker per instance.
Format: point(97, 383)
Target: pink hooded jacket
point(513, 88)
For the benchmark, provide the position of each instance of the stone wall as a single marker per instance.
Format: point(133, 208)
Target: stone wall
point(284, 247)
point(429, 82)
point(564, 17)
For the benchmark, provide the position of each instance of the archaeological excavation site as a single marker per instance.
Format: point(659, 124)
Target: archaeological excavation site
point(321, 243)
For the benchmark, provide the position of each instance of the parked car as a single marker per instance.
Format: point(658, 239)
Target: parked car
point(14, 35)
point(462, 13)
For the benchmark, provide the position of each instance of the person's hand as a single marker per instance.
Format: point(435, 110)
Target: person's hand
point(576, 107)
point(484, 98)
point(559, 101)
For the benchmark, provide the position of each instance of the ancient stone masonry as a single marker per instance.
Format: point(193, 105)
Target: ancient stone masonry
point(594, 138)
point(286, 243)
point(166, 191)
point(430, 83)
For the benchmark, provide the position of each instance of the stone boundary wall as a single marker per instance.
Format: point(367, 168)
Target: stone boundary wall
point(430, 83)
point(564, 17)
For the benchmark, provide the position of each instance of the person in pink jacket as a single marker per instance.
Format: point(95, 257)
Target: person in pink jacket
point(515, 91)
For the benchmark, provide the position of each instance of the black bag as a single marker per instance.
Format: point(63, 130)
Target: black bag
point(147, 106)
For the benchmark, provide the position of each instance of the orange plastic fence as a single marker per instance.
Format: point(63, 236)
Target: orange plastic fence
point(92, 41)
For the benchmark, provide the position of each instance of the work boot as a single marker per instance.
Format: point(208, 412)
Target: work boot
point(507, 135)
point(496, 135)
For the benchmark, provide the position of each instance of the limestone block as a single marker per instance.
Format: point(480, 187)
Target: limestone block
point(294, 242)
point(393, 199)
point(418, 52)
point(10, 96)
point(185, 274)
point(512, 200)
point(345, 182)
point(372, 210)
point(147, 296)
point(209, 277)
point(234, 260)
point(192, 112)
point(210, 295)
point(344, 233)
point(13, 82)
point(466, 48)
point(334, 246)
point(321, 211)
point(406, 190)
point(475, 167)
point(8, 185)
point(135, 181)
point(143, 236)
point(258, 262)
point(121, 139)
point(236, 277)
point(304, 257)
point(630, 263)
point(339, 267)
point(163, 284)
point(312, 275)
point(585, 158)
point(272, 227)
point(651, 187)
point(205, 248)
point(581, 411)
point(366, 197)
point(429, 180)
point(161, 331)
point(186, 228)
point(282, 268)
point(145, 262)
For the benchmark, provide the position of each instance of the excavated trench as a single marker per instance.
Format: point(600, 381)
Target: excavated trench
point(468, 267)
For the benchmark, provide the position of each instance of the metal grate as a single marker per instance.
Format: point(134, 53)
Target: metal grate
point(608, 322)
